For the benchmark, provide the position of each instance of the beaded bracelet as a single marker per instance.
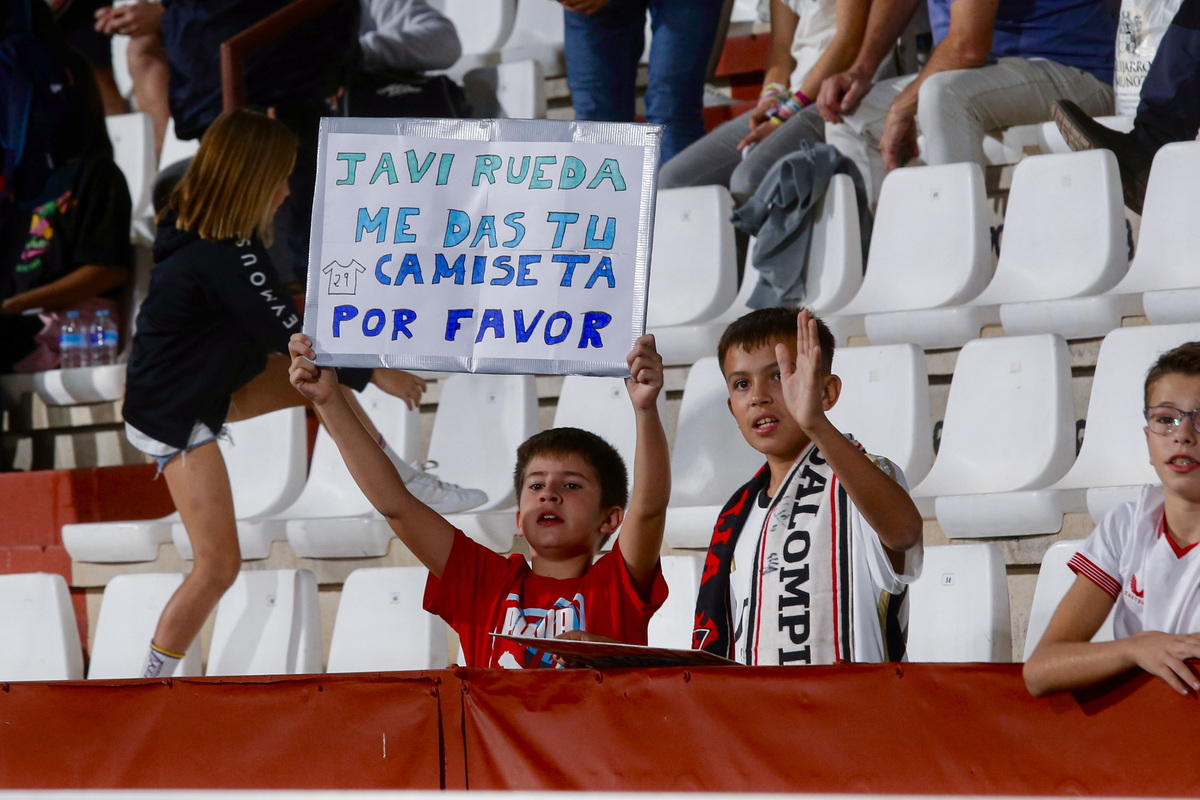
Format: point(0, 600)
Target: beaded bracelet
point(790, 107)
point(773, 90)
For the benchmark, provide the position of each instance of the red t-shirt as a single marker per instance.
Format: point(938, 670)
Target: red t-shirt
point(481, 592)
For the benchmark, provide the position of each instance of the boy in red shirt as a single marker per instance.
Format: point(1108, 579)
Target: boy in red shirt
point(571, 488)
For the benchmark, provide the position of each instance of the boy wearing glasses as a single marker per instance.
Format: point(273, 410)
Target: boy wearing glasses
point(1142, 558)
point(810, 561)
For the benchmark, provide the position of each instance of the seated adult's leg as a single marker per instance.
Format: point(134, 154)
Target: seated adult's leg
point(709, 161)
point(957, 107)
point(1169, 110)
point(147, 59)
point(807, 126)
point(199, 485)
point(681, 43)
point(602, 52)
point(858, 137)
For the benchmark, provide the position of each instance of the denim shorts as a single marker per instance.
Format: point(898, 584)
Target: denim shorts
point(162, 452)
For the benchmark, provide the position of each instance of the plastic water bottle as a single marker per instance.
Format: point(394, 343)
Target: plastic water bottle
point(72, 342)
point(102, 340)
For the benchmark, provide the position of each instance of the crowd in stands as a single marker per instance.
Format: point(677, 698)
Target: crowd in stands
point(208, 348)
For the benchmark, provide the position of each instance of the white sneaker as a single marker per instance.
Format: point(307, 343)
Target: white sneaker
point(443, 497)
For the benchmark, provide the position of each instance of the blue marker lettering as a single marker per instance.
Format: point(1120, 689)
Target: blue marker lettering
point(454, 318)
point(593, 321)
point(342, 314)
point(369, 224)
point(401, 319)
point(492, 318)
point(552, 338)
point(351, 160)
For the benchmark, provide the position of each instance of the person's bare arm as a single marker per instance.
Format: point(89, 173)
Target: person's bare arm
point(883, 502)
point(779, 55)
point(425, 532)
point(76, 286)
point(841, 92)
point(966, 46)
point(1066, 658)
point(640, 538)
point(851, 19)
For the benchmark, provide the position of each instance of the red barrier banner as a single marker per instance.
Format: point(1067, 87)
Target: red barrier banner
point(910, 729)
point(306, 732)
point(905, 729)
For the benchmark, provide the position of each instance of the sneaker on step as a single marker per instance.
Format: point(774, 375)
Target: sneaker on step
point(443, 497)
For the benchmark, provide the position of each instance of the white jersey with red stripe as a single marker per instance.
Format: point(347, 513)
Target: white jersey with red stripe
point(1155, 582)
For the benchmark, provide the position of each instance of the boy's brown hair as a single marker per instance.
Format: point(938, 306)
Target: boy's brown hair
point(227, 190)
point(761, 326)
point(1184, 360)
point(601, 456)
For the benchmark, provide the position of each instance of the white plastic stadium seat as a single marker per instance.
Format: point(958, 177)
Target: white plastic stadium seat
point(129, 614)
point(834, 273)
point(538, 34)
point(693, 277)
point(885, 404)
point(267, 458)
point(1112, 464)
point(332, 518)
point(710, 460)
point(930, 254)
point(671, 626)
point(1163, 270)
point(1009, 434)
point(381, 625)
point(268, 623)
point(1008, 146)
point(132, 138)
point(175, 149)
point(1064, 246)
point(481, 27)
point(119, 541)
point(39, 640)
point(1054, 579)
point(480, 422)
point(958, 608)
point(511, 89)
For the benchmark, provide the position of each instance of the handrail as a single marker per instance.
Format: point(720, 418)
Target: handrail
point(235, 49)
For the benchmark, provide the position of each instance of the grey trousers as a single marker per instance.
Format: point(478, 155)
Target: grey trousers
point(715, 158)
point(956, 108)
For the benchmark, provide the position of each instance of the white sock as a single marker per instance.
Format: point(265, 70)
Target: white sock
point(160, 663)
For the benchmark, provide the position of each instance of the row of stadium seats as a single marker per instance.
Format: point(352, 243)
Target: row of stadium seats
point(1063, 265)
point(269, 621)
point(1006, 466)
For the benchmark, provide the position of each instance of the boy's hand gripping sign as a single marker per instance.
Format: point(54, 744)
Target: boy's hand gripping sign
point(509, 246)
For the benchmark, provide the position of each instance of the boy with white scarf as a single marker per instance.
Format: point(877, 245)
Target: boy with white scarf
point(811, 560)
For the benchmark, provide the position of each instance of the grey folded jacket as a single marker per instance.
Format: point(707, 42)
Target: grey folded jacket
point(778, 215)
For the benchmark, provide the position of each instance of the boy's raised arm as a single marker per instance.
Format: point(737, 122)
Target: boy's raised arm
point(882, 501)
point(1066, 658)
point(425, 532)
point(640, 538)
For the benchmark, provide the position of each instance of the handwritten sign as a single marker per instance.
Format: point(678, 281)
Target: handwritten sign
point(505, 246)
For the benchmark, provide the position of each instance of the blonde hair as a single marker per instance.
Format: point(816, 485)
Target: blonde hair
point(227, 190)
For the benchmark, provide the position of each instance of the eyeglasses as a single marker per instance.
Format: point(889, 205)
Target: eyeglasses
point(1165, 420)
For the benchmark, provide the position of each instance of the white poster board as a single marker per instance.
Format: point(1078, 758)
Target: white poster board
point(503, 246)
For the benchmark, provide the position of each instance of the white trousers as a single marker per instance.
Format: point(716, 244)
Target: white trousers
point(956, 108)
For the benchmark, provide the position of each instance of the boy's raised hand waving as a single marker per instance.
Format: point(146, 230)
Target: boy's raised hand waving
point(803, 383)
